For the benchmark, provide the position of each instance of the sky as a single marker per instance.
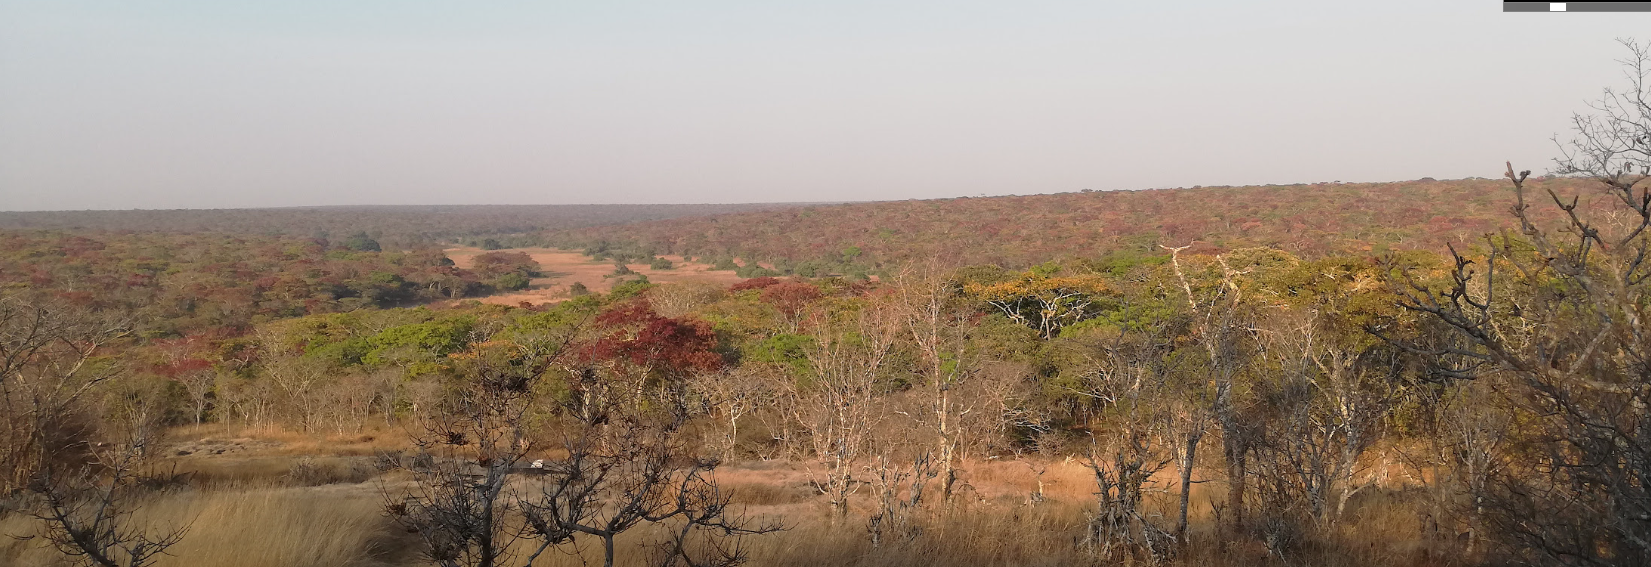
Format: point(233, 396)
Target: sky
point(163, 104)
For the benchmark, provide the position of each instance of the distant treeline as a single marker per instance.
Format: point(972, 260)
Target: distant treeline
point(222, 285)
point(1022, 231)
point(399, 227)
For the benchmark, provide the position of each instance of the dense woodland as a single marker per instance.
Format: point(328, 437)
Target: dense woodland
point(397, 227)
point(1274, 376)
point(179, 285)
point(1022, 231)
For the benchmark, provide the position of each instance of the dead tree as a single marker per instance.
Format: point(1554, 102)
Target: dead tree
point(1132, 385)
point(1564, 333)
point(734, 393)
point(459, 505)
point(624, 464)
point(707, 532)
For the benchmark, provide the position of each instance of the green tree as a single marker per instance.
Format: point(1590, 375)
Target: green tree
point(360, 242)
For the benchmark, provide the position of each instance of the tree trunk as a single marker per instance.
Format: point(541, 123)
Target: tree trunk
point(733, 435)
point(1185, 466)
point(1236, 469)
point(947, 446)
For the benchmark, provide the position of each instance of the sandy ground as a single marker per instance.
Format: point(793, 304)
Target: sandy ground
point(561, 268)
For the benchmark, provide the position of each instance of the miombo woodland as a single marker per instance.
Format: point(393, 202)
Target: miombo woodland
point(210, 398)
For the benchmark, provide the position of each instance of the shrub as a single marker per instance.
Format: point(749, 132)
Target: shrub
point(512, 282)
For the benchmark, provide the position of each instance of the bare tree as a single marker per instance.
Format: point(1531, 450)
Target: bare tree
point(704, 511)
point(681, 298)
point(1612, 145)
point(301, 382)
point(198, 386)
point(838, 408)
point(632, 470)
point(899, 491)
point(1326, 397)
point(48, 365)
point(87, 513)
point(938, 323)
point(459, 505)
point(624, 465)
point(1120, 527)
point(1556, 316)
point(733, 394)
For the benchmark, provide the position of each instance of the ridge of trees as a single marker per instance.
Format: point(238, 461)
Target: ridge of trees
point(184, 284)
point(1022, 231)
point(396, 227)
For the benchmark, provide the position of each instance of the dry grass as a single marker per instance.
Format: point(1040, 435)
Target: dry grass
point(276, 440)
point(292, 527)
point(211, 457)
point(332, 525)
point(252, 514)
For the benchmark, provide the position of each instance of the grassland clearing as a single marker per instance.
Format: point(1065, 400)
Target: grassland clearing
point(560, 269)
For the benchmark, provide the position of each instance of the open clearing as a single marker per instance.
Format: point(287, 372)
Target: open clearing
point(561, 268)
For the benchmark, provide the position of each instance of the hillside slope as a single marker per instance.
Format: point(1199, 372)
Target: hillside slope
point(1024, 230)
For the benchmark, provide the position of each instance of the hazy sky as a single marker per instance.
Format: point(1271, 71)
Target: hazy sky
point(236, 103)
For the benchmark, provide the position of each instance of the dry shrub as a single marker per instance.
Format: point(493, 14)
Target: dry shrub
point(314, 472)
point(767, 483)
point(682, 298)
point(771, 494)
point(271, 472)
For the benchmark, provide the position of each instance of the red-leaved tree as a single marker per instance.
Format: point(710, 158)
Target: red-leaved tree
point(637, 349)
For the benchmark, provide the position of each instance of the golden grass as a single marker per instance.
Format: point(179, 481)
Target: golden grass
point(259, 520)
point(330, 525)
point(309, 527)
point(272, 439)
